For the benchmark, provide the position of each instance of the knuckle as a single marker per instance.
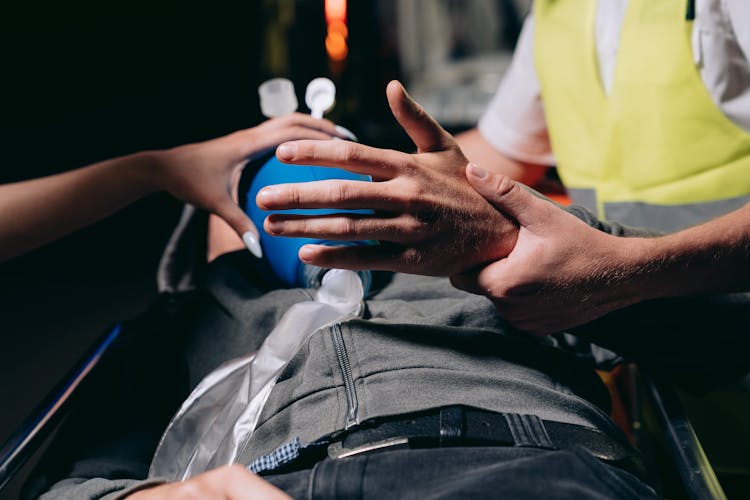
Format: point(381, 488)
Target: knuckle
point(341, 191)
point(410, 166)
point(348, 226)
point(408, 195)
point(411, 256)
point(306, 151)
point(296, 226)
point(414, 225)
point(347, 151)
point(505, 186)
point(292, 196)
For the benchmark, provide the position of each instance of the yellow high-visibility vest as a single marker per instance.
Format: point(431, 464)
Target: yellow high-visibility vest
point(656, 152)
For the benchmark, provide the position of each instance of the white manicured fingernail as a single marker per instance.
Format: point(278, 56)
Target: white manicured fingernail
point(252, 244)
point(346, 133)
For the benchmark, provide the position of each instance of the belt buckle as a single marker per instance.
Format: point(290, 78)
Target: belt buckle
point(337, 451)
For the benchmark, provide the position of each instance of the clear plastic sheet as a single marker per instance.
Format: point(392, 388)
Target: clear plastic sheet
point(213, 424)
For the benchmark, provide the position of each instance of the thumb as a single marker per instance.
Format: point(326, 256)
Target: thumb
point(243, 226)
point(421, 127)
point(507, 195)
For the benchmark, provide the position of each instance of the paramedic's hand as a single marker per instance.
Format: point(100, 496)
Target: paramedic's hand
point(206, 174)
point(427, 218)
point(561, 272)
point(231, 482)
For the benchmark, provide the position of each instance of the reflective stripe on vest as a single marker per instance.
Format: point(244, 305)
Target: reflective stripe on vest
point(657, 152)
point(667, 218)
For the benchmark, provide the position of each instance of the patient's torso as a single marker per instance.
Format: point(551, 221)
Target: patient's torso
point(421, 344)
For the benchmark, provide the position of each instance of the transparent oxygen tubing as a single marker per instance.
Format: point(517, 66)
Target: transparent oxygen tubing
point(219, 417)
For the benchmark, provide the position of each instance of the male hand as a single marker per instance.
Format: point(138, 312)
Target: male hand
point(231, 482)
point(427, 218)
point(561, 272)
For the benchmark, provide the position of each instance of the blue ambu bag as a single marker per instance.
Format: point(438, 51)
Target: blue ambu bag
point(279, 251)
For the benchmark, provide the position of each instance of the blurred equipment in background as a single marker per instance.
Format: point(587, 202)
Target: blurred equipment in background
point(454, 53)
point(450, 54)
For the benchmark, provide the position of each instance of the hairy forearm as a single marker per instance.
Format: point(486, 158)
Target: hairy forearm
point(695, 332)
point(712, 257)
point(38, 211)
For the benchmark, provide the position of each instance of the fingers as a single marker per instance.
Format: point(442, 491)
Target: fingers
point(343, 154)
point(300, 120)
point(382, 257)
point(335, 194)
point(268, 140)
point(402, 229)
point(321, 124)
point(287, 128)
point(240, 222)
point(297, 133)
point(508, 196)
point(423, 130)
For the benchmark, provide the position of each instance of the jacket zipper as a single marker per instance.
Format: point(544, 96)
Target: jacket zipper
point(346, 371)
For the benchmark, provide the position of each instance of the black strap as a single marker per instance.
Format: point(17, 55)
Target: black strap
point(460, 425)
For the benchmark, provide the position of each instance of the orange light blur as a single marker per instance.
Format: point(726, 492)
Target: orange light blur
point(336, 47)
point(338, 27)
point(335, 11)
point(337, 32)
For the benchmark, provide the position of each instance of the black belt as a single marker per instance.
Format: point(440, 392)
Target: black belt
point(467, 426)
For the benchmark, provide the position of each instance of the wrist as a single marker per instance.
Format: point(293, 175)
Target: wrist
point(148, 170)
point(624, 271)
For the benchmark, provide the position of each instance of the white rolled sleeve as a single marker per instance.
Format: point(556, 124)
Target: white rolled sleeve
point(514, 122)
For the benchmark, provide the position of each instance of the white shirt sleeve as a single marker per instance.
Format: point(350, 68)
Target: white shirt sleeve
point(514, 122)
point(739, 14)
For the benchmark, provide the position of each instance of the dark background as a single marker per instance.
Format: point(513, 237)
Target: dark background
point(82, 82)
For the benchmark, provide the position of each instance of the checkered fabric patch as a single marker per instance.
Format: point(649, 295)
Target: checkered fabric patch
point(278, 457)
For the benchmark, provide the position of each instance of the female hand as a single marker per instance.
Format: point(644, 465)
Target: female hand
point(38, 211)
point(206, 174)
point(427, 218)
